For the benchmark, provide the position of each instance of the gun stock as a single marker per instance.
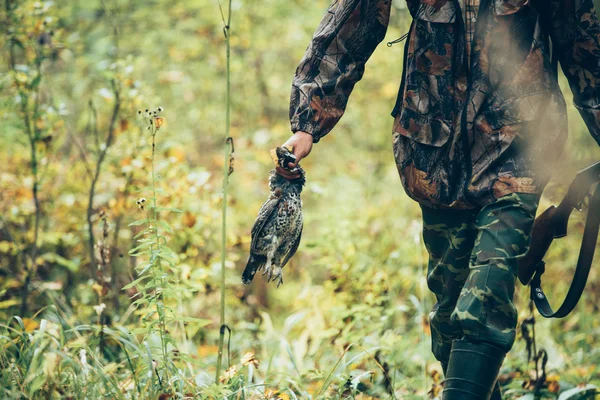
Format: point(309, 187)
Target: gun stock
point(542, 235)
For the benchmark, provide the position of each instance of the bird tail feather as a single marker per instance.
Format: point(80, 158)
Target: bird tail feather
point(255, 263)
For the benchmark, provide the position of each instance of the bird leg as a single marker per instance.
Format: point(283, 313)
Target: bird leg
point(276, 275)
point(268, 267)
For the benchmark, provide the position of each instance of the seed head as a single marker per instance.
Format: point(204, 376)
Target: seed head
point(141, 203)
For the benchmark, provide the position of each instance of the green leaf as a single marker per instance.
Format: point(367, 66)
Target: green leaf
point(579, 393)
point(135, 282)
point(144, 245)
point(63, 262)
point(139, 222)
point(172, 209)
point(37, 383)
point(36, 81)
point(9, 303)
point(165, 226)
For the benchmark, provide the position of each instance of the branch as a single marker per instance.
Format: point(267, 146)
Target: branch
point(109, 141)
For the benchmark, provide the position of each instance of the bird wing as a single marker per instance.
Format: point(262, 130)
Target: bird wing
point(293, 249)
point(263, 216)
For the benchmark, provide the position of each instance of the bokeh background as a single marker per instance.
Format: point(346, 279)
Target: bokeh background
point(350, 320)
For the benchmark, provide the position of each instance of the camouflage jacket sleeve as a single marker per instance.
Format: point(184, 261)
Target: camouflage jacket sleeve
point(334, 61)
point(575, 33)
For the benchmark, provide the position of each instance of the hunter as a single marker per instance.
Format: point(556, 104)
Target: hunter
point(478, 123)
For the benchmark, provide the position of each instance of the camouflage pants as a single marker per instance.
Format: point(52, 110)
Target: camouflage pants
point(473, 256)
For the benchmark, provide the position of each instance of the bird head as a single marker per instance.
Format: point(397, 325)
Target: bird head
point(282, 156)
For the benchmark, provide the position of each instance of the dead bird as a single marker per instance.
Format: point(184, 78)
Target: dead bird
point(278, 228)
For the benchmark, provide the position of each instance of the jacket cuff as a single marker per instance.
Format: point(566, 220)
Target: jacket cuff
point(306, 127)
point(591, 117)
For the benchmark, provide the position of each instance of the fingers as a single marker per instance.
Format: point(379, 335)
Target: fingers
point(287, 174)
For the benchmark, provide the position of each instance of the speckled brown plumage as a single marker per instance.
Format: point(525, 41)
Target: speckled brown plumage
point(277, 230)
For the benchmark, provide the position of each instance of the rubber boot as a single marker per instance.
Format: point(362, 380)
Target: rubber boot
point(496, 394)
point(472, 371)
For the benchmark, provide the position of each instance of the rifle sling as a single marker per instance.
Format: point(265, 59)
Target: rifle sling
point(584, 264)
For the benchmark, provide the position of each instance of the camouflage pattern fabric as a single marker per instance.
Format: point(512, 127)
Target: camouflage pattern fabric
point(468, 128)
point(473, 258)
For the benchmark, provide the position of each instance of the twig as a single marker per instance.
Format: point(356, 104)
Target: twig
point(102, 154)
point(32, 136)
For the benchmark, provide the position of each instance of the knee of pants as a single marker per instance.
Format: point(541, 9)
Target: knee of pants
point(485, 310)
point(443, 332)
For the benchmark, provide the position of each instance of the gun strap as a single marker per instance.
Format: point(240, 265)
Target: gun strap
point(584, 264)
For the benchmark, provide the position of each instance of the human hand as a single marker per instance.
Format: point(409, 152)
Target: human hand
point(301, 143)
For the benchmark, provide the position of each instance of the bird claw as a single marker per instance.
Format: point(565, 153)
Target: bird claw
point(267, 271)
point(274, 274)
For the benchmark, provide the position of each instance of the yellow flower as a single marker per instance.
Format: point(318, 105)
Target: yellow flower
point(272, 395)
point(248, 359)
point(229, 373)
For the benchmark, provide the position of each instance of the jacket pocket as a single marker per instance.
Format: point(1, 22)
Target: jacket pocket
point(425, 107)
point(509, 7)
point(526, 107)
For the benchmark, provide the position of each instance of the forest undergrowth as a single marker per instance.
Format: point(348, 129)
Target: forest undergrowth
point(134, 160)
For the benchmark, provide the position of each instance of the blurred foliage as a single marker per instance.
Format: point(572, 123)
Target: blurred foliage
point(351, 319)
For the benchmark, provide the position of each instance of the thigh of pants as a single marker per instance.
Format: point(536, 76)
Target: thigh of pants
point(473, 258)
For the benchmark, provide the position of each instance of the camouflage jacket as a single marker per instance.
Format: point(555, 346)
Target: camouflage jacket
point(464, 135)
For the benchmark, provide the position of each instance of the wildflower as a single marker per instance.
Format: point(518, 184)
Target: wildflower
point(99, 308)
point(248, 359)
point(272, 395)
point(553, 383)
point(141, 203)
point(553, 387)
point(160, 109)
point(229, 374)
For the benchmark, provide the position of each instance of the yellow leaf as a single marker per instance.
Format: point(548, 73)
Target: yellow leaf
point(8, 303)
point(30, 324)
point(97, 288)
point(189, 219)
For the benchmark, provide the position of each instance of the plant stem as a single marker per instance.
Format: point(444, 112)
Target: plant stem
point(156, 261)
point(226, 172)
point(30, 271)
point(33, 137)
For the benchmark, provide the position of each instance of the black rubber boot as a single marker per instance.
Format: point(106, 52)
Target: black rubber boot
point(496, 395)
point(472, 371)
